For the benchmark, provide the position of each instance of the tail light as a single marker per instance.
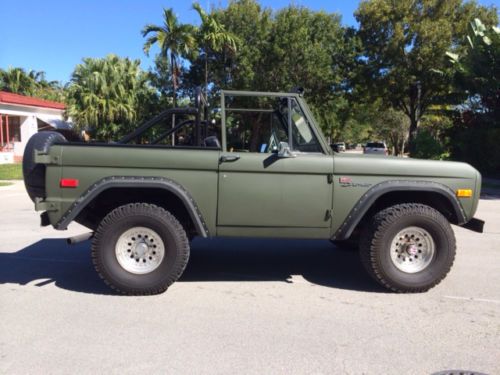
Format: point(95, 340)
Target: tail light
point(69, 183)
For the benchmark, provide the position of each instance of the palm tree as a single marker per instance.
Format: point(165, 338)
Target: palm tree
point(175, 41)
point(213, 36)
point(17, 81)
point(103, 93)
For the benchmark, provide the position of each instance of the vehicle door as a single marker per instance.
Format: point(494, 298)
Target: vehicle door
point(273, 171)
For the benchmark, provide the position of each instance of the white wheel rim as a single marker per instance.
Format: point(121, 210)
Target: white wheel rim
point(412, 249)
point(140, 250)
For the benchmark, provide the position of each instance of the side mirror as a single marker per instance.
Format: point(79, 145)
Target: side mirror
point(284, 150)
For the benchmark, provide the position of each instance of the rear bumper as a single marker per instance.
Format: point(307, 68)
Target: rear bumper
point(474, 224)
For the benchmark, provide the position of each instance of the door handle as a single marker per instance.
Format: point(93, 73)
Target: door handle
point(228, 158)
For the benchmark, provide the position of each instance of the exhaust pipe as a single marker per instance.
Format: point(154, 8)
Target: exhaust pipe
point(79, 238)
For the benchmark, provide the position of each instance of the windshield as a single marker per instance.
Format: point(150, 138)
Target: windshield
point(303, 138)
point(260, 124)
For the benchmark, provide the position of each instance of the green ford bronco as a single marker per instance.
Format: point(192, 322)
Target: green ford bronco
point(258, 166)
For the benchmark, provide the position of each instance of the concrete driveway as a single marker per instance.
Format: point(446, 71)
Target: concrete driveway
point(242, 306)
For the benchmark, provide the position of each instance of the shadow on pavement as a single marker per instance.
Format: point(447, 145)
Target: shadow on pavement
point(490, 194)
point(220, 259)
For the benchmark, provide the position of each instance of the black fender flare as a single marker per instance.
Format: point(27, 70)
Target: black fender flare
point(135, 182)
point(376, 191)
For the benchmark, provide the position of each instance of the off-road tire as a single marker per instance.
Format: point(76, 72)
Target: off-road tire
point(377, 236)
point(33, 173)
point(117, 222)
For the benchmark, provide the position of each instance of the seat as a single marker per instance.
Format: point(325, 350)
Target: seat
point(212, 141)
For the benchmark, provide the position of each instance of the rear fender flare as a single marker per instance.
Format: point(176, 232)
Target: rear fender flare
point(135, 182)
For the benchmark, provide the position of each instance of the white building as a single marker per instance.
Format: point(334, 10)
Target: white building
point(20, 118)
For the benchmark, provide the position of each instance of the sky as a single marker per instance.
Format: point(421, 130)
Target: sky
point(53, 36)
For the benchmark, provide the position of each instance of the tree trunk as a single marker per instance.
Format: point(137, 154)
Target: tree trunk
point(412, 134)
point(174, 79)
point(206, 73)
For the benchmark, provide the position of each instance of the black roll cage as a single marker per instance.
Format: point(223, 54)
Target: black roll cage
point(201, 109)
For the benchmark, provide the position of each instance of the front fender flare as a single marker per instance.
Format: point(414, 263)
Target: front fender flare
point(376, 191)
point(135, 182)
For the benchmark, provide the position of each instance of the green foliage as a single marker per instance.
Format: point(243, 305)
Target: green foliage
point(405, 44)
point(212, 36)
point(175, 41)
point(476, 134)
point(31, 83)
point(277, 51)
point(477, 69)
point(106, 95)
point(390, 76)
point(478, 147)
point(392, 126)
point(428, 147)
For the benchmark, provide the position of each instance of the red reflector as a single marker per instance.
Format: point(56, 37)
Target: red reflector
point(345, 180)
point(68, 183)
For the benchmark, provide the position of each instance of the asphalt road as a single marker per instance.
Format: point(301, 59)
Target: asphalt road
point(242, 306)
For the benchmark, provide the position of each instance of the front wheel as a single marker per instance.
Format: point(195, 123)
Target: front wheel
point(140, 249)
point(408, 248)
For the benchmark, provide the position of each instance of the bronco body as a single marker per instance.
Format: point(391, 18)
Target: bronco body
point(258, 166)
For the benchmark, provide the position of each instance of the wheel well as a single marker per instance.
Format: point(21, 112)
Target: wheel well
point(115, 197)
point(435, 200)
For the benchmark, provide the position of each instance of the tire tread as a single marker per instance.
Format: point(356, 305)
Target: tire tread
point(372, 238)
point(138, 209)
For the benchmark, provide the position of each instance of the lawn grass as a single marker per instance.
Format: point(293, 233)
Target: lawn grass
point(3, 183)
point(11, 171)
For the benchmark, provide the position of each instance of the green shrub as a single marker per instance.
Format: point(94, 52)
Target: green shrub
point(479, 147)
point(428, 147)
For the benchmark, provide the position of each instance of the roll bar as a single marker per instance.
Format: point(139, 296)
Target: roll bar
point(200, 110)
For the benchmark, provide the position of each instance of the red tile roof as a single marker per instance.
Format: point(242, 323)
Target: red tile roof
point(10, 98)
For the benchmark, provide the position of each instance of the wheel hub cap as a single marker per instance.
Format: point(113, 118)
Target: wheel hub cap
point(412, 249)
point(139, 250)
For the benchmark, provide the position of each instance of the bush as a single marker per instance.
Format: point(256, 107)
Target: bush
point(478, 147)
point(428, 147)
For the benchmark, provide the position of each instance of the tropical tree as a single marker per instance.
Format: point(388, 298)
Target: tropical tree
point(213, 37)
point(30, 83)
point(477, 70)
point(104, 95)
point(404, 46)
point(277, 51)
point(476, 130)
point(175, 41)
point(18, 81)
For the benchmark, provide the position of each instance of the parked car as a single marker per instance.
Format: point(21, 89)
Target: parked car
point(376, 148)
point(339, 147)
point(145, 197)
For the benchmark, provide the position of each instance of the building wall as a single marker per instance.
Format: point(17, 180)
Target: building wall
point(28, 124)
point(28, 128)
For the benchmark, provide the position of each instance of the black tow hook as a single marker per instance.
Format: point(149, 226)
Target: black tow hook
point(79, 238)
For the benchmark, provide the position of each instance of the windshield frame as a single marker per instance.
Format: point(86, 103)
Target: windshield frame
point(289, 96)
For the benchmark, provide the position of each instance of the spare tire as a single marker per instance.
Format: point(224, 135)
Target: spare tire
point(34, 174)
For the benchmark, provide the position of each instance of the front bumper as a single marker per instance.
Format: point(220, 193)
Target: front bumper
point(474, 224)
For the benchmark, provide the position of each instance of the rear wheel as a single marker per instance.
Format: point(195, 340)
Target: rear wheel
point(140, 249)
point(408, 247)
